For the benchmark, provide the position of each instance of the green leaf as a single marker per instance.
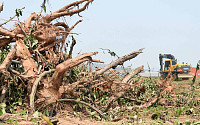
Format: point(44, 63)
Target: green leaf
point(20, 101)
point(74, 106)
point(9, 121)
point(95, 97)
point(3, 105)
point(112, 53)
point(44, 7)
point(23, 112)
point(197, 123)
point(35, 121)
point(131, 114)
point(35, 42)
point(80, 105)
point(1, 112)
point(188, 123)
point(37, 114)
point(93, 113)
point(18, 12)
point(176, 123)
point(155, 116)
point(46, 112)
point(15, 122)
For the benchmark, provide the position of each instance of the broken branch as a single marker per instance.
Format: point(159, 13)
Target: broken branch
point(119, 61)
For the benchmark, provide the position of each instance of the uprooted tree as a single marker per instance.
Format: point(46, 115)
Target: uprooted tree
point(37, 63)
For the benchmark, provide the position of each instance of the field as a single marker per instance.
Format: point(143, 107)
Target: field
point(179, 106)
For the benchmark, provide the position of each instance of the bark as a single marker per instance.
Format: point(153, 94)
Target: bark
point(30, 19)
point(7, 33)
point(67, 10)
point(27, 61)
point(5, 40)
point(132, 74)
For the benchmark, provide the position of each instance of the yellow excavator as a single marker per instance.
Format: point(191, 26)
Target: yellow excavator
point(170, 64)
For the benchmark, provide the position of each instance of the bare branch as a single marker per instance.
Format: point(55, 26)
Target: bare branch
point(64, 11)
point(119, 61)
point(71, 47)
point(72, 27)
point(131, 74)
point(7, 21)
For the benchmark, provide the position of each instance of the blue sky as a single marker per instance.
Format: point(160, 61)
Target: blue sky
point(159, 26)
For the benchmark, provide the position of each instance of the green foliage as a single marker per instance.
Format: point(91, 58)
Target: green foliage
point(178, 111)
point(44, 6)
point(15, 96)
point(187, 122)
point(90, 112)
point(155, 116)
point(45, 112)
point(35, 121)
point(37, 114)
point(4, 50)
point(110, 52)
point(33, 42)
point(197, 68)
point(3, 107)
point(23, 112)
point(151, 89)
point(12, 121)
point(1, 112)
point(18, 12)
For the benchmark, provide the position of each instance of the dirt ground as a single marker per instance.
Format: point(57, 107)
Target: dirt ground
point(180, 87)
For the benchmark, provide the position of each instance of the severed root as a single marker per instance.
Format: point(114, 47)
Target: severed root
point(34, 87)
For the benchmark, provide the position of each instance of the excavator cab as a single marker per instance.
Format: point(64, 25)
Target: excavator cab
point(170, 64)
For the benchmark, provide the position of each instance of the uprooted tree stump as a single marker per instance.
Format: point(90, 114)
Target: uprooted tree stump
point(39, 42)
